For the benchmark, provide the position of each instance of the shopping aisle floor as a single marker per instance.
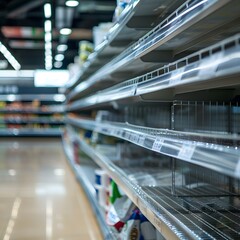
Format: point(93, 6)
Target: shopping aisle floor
point(39, 196)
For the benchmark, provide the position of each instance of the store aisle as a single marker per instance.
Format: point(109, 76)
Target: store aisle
point(39, 197)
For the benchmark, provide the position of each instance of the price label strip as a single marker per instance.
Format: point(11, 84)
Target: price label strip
point(186, 151)
point(141, 140)
point(157, 145)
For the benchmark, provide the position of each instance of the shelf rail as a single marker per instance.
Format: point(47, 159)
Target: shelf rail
point(217, 61)
point(218, 152)
point(174, 217)
point(185, 16)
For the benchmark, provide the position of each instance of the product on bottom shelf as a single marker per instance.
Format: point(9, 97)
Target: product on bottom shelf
point(121, 213)
point(102, 182)
point(131, 230)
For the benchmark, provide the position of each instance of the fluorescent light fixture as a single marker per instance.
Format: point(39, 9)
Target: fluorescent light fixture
point(62, 47)
point(54, 78)
point(47, 10)
point(58, 64)
point(48, 26)
point(65, 31)
point(71, 3)
point(15, 64)
point(48, 45)
point(59, 57)
point(48, 37)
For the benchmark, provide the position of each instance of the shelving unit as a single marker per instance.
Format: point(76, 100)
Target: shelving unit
point(165, 42)
point(173, 216)
point(173, 95)
point(85, 175)
point(127, 28)
point(21, 116)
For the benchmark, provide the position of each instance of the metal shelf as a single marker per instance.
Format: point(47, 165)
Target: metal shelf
point(219, 152)
point(31, 121)
point(30, 111)
point(83, 174)
point(219, 68)
point(28, 132)
point(31, 97)
point(175, 217)
point(174, 35)
point(135, 21)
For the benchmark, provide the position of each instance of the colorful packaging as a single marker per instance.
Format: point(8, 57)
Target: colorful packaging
point(131, 230)
point(114, 192)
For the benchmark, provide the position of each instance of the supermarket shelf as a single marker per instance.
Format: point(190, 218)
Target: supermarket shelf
point(31, 121)
point(171, 37)
point(174, 217)
point(137, 18)
point(30, 111)
point(219, 69)
point(219, 152)
point(87, 184)
point(28, 132)
point(31, 97)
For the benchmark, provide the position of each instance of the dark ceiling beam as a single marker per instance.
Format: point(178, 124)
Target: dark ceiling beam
point(20, 10)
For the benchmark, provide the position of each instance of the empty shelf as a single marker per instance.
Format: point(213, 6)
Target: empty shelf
point(134, 22)
point(185, 25)
point(176, 217)
point(25, 132)
point(86, 176)
point(213, 67)
point(218, 152)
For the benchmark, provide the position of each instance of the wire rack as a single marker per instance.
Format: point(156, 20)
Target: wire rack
point(206, 116)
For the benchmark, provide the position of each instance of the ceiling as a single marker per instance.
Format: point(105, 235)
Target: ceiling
point(22, 28)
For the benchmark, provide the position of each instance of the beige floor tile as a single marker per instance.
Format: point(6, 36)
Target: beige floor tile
point(39, 196)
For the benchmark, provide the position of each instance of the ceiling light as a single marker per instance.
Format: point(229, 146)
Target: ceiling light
point(59, 57)
point(48, 68)
point(15, 64)
point(62, 47)
point(48, 57)
point(47, 10)
point(48, 37)
point(72, 3)
point(58, 64)
point(48, 26)
point(65, 31)
point(48, 45)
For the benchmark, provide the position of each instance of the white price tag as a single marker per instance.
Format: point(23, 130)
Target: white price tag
point(237, 171)
point(134, 137)
point(157, 145)
point(133, 90)
point(186, 151)
point(127, 135)
point(208, 68)
point(176, 76)
point(141, 140)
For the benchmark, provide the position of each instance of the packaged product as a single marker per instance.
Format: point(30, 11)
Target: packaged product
point(131, 230)
point(114, 192)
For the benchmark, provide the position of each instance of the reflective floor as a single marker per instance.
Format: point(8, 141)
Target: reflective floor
point(39, 197)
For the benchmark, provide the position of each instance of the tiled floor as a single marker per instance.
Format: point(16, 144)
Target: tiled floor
point(39, 197)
